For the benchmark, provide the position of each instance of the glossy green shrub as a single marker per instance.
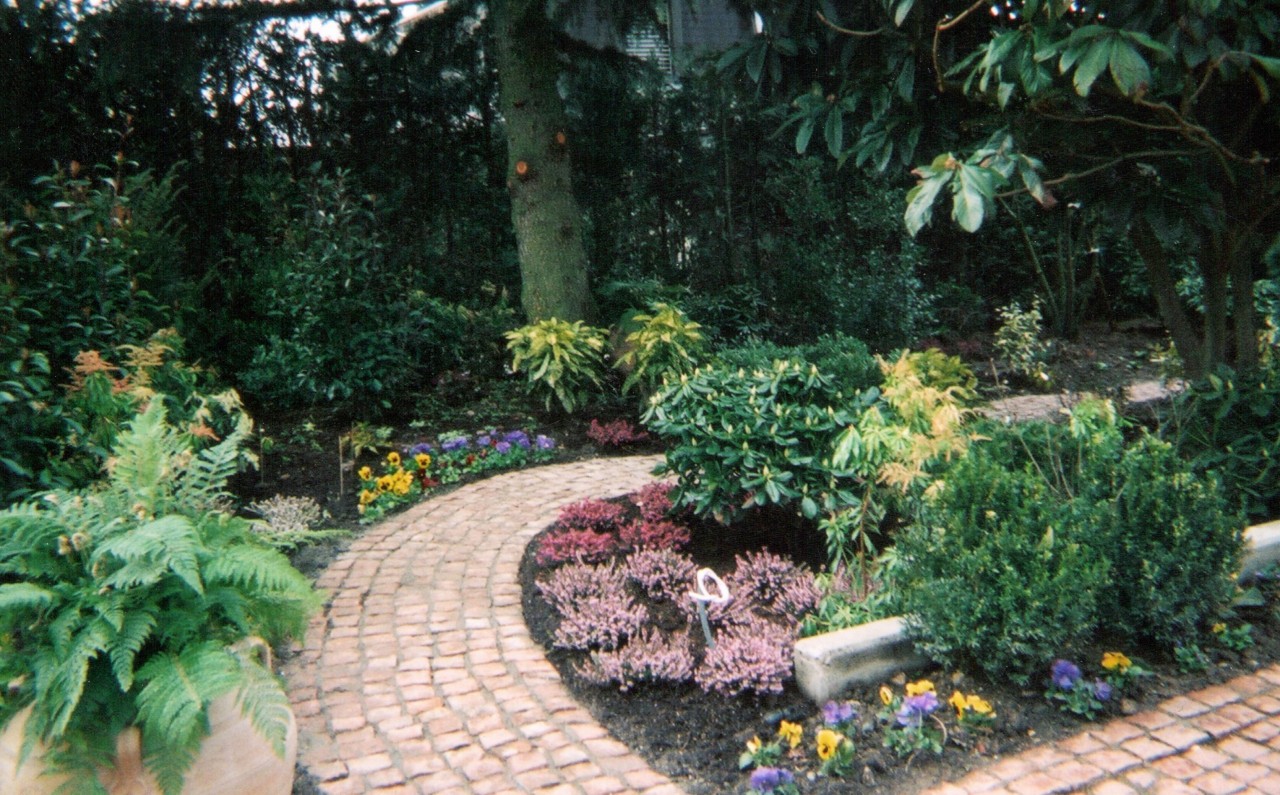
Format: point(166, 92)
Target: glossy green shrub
point(842, 358)
point(743, 438)
point(31, 420)
point(665, 343)
point(563, 361)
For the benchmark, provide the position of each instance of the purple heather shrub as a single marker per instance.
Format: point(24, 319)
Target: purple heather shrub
point(649, 656)
point(595, 609)
point(616, 433)
point(663, 574)
point(591, 515)
point(916, 708)
point(768, 779)
point(584, 546)
point(654, 501)
point(661, 534)
point(1065, 674)
point(769, 584)
point(755, 656)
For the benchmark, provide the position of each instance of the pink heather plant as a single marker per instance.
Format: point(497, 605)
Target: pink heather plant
point(583, 546)
point(654, 501)
point(755, 655)
point(659, 534)
point(596, 612)
point(650, 656)
point(663, 574)
point(597, 515)
point(773, 585)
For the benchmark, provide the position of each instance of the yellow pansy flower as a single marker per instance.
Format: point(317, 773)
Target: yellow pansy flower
point(367, 496)
point(1115, 661)
point(919, 687)
point(957, 700)
point(978, 704)
point(393, 458)
point(365, 473)
point(886, 695)
point(828, 742)
point(422, 460)
point(791, 732)
point(754, 745)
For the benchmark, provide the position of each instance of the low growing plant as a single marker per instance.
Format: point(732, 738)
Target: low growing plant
point(562, 361)
point(1073, 694)
point(1020, 340)
point(909, 720)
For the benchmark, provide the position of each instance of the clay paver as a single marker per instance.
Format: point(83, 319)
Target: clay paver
point(419, 675)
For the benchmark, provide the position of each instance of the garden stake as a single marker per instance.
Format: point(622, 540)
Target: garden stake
point(702, 596)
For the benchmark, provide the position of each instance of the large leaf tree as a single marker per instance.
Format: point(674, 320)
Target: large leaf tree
point(1159, 117)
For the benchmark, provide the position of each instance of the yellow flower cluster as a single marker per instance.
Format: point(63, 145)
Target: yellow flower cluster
point(919, 687)
point(791, 732)
point(397, 483)
point(972, 703)
point(1115, 661)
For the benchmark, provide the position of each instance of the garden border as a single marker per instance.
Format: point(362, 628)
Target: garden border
point(829, 663)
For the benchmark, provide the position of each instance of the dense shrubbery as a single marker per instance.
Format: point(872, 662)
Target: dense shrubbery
point(1047, 534)
point(842, 358)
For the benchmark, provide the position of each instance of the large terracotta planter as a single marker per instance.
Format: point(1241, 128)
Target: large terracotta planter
point(233, 760)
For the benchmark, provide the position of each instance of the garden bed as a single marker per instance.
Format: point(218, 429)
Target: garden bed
point(696, 737)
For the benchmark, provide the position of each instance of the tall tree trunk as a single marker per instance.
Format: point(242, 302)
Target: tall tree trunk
point(544, 211)
point(1164, 289)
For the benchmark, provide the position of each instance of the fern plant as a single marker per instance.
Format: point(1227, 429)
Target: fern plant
point(123, 606)
point(562, 360)
point(660, 345)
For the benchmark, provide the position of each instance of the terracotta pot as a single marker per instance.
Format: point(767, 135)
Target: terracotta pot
point(233, 760)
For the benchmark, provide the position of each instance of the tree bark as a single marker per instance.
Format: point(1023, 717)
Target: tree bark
point(544, 211)
point(1163, 288)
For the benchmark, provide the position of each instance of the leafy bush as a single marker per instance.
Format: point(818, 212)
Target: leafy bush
point(1020, 340)
point(844, 359)
point(749, 438)
point(123, 605)
point(1229, 423)
point(1046, 533)
point(665, 344)
point(562, 360)
point(32, 421)
point(90, 258)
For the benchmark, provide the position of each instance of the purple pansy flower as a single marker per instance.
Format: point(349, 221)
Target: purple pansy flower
point(484, 441)
point(450, 446)
point(915, 708)
point(1102, 690)
point(421, 448)
point(518, 437)
point(767, 779)
point(545, 442)
point(503, 447)
point(1065, 674)
point(833, 713)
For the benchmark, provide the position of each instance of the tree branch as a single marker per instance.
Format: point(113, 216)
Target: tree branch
point(1103, 167)
point(947, 23)
point(860, 34)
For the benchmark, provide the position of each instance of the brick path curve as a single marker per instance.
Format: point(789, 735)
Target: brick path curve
point(419, 675)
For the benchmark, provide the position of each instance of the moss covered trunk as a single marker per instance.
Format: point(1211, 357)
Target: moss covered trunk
point(544, 211)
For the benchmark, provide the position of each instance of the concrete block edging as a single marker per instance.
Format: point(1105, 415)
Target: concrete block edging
point(828, 664)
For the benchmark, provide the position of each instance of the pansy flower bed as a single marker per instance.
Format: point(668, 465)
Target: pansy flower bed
point(405, 477)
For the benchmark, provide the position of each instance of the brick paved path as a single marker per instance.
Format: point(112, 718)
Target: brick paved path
point(420, 676)
point(1222, 739)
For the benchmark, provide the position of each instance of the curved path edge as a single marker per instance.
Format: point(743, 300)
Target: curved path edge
point(419, 675)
